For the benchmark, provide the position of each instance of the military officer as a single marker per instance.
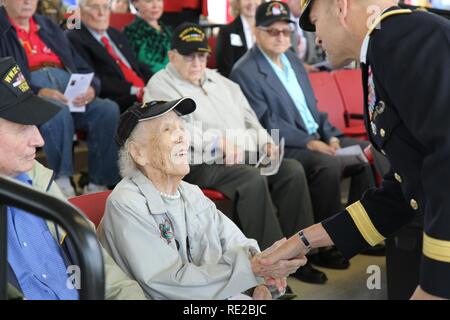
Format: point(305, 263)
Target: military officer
point(405, 58)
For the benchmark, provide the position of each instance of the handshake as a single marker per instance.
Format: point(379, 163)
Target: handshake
point(276, 263)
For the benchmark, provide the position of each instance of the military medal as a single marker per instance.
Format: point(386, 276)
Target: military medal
point(166, 230)
point(374, 128)
point(372, 98)
point(380, 107)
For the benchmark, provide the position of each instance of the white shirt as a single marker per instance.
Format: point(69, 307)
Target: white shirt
point(176, 212)
point(99, 36)
point(364, 48)
point(133, 90)
point(249, 37)
point(365, 44)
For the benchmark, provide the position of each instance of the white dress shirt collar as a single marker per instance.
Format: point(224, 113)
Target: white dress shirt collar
point(249, 37)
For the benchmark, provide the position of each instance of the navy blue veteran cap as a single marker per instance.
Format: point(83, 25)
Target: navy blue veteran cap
point(18, 103)
point(150, 110)
point(188, 38)
point(268, 13)
point(305, 22)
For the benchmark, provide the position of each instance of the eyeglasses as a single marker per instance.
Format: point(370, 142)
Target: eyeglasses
point(98, 8)
point(202, 57)
point(276, 32)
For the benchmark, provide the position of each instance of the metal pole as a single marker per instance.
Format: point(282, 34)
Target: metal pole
point(87, 249)
point(3, 251)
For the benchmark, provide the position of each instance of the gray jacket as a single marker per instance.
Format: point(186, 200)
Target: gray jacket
point(131, 231)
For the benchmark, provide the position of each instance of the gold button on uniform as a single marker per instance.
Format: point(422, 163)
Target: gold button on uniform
point(398, 177)
point(382, 133)
point(414, 204)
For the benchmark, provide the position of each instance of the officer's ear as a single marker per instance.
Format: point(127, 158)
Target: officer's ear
point(342, 10)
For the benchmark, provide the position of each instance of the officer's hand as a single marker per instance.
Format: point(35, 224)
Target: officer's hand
point(276, 270)
point(320, 146)
point(284, 250)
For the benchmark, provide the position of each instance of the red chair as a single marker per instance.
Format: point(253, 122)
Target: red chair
point(223, 203)
point(351, 90)
point(214, 195)
point(212, 63)
point(120, 20)
point(92, 205)
point(329, 100)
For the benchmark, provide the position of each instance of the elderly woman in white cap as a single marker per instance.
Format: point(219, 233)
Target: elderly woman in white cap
point(164, 232)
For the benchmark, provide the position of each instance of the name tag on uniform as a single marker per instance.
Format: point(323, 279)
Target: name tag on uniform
point(236, 40)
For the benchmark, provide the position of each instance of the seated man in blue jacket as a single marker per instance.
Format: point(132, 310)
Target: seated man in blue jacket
point(47, 60)
point(277, 87)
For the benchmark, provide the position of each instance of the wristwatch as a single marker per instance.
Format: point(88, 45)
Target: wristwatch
point(305, 241)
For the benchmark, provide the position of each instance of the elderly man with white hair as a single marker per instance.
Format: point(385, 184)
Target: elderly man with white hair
point(109, 54)
point(163, 231)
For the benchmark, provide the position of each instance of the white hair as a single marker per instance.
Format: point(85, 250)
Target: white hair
point(235, 7)
point(127, 165)
point(82, 3)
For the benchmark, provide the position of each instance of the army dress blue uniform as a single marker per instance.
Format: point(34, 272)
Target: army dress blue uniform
point(406, 78)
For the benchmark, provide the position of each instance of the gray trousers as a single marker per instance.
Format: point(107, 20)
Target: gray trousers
point(265, 208)
point(325, 174)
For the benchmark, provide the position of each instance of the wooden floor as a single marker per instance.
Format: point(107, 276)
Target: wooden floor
point(350, 284)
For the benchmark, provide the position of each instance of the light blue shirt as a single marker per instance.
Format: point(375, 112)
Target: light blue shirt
point(99, 36)
point(35, 257)
point(290, 82)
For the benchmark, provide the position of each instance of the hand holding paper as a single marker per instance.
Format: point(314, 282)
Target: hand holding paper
point(351, 155)
point(77, 87)
point(85, 98)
